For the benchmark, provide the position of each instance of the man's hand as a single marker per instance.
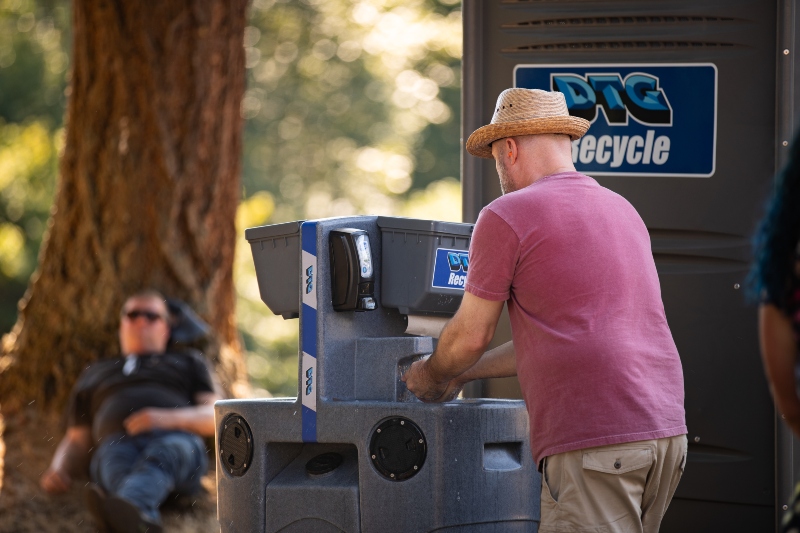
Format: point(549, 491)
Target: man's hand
point(419, 381)
point(55, 481)
point(70, 458)
point(148, 419)
point(453, 390)
point(461, 344)
point(499, 362)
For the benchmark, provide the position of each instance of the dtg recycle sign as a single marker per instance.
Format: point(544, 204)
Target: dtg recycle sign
point(646, 120)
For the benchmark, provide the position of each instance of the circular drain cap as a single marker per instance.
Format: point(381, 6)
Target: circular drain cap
point(235, 445)
point(324, 463)
point(397, 448)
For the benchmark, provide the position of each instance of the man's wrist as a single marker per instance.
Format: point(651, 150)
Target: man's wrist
point(435, 374)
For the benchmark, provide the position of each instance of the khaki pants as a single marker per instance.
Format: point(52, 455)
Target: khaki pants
point(616, 488)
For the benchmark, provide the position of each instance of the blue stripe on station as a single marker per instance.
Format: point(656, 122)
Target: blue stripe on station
point(309, 425)
point(308, 237)
point(308, 339)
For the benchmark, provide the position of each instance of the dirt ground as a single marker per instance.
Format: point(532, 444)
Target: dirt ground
point(30, 440)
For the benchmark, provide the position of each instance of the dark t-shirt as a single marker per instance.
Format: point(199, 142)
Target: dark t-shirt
point(108, 391)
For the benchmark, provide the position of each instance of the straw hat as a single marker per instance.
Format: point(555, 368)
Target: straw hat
point(526, 112)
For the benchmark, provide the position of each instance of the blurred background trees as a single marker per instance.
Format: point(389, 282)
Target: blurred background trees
point(351, 108)
point(148, 188)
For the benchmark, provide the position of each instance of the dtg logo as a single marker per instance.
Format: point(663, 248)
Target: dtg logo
point(638, 94)
point(458, 261)
point(646, 119)
point(309, 380)
point(309, 279)
point(450, 269)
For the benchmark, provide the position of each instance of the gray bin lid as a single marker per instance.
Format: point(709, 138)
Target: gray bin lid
point(272, 231)
point(415, 225)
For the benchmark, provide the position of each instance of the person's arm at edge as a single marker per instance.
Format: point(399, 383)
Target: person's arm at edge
point(71, 455)
point(499, 362)
point(779, 354)
point(197, 419)
point(461, 345)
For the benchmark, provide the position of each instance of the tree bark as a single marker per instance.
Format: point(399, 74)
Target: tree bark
point(148, 190)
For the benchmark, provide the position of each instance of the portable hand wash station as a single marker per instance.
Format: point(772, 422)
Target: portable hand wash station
point(356, 452)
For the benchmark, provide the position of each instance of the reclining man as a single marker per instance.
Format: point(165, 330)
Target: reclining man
point(599, 371)
point(142, 415)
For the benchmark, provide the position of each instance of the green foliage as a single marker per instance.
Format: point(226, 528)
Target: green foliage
point(352, 107)
point(34, 48)
point(34, 41)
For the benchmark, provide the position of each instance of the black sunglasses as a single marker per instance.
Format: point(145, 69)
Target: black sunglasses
point(150, 316)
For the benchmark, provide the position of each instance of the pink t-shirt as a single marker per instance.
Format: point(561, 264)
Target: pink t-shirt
point(595, 356)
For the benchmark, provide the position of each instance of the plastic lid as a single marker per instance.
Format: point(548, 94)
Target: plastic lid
point(427, 226)
point(272, 231)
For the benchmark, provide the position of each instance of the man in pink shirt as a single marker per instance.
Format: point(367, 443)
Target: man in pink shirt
point(599, 371)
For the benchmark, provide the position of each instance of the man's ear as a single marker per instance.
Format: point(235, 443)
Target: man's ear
point(511, 149)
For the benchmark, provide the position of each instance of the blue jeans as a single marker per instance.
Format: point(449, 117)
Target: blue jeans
point(144, 469)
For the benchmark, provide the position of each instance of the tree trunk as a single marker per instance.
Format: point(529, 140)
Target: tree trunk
point(149, 184)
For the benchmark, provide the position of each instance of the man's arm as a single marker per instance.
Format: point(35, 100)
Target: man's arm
point(198, 419)
point(460, 346)
point(72, 455)
point(499, 362)
point(779, 354)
